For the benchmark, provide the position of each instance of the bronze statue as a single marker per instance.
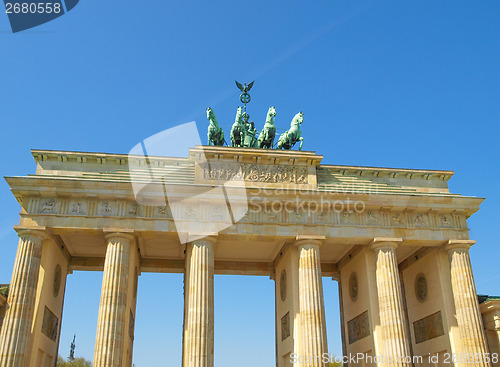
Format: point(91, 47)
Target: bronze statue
point(288, 139)
point(244, 133)
point(266, 137)
point(71, 357)
point(245, 97)
point(249, 132)
point(215, 132)
point(237, 129)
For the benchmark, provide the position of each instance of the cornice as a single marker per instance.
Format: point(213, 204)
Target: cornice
point(427, 174)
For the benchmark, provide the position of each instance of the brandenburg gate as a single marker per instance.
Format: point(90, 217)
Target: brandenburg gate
point(395, 240)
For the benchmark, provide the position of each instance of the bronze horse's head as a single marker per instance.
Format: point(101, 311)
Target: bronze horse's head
point(209, 112)
point(298, 118)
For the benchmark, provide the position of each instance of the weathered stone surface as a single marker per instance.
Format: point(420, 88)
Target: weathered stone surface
point(16, 330)
point(312, 309)
point(111, 332)
point(359, 327)
point(80, 197)
point(469, 318)
point(429, 327)
point(198, 345)
point(392, 319)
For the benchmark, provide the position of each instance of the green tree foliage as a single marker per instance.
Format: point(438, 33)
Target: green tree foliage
point(78, 362)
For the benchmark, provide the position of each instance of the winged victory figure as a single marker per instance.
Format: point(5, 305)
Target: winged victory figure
point(244, 88)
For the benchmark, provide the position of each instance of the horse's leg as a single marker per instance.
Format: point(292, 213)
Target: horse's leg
point(301, 139)
point(282, 142)
point(233, 138)
point(208, 137)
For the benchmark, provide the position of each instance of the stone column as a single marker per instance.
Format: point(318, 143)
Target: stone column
point(391, 310)
point(311, 304)
point(198, 343)
point(469, 319)
point(111, 333)
point(15, 335)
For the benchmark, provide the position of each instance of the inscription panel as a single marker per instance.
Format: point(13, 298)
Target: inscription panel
point(285, 326)
point(224, 171)
point(358, 328)
point(50, 324)
point(429, 327)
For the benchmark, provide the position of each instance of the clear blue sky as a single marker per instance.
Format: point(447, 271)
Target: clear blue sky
point(394, 83)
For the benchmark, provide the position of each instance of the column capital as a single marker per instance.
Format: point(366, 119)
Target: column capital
point(202, 237)
point(452, 245)
point(118, 233)
point(385, 242)
point(302, 240)
point(39, 232)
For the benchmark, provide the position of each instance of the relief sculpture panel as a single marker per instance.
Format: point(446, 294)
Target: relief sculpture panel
point(358, 328)
point(429, 327)
point(50, 324)
point(224, 171)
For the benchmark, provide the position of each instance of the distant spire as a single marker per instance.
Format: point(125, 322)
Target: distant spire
point(71, 357)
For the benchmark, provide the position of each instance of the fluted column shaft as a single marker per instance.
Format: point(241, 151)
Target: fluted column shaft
point(15, 335)
point(111, 332)
point(392, 320)
point(311, 304)
point(198, 345)
point(469, 318)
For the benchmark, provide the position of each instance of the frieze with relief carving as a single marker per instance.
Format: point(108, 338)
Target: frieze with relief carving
point(266, 214)
point(224, 171)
